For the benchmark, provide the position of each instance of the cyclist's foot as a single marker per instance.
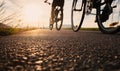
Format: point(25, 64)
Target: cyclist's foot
point(106, 12)
point(50, 26)
point(51, 21)
point(104, 17)
point(58, 19)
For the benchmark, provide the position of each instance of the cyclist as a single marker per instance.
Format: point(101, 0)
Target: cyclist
point(54, 4)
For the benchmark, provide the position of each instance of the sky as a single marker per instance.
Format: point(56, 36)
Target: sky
point(36, 13)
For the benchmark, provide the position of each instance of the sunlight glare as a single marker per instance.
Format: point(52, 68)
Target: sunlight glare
point(31, 13)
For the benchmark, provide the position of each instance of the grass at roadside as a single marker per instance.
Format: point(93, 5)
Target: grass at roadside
point(10, 31)
point(88, 29)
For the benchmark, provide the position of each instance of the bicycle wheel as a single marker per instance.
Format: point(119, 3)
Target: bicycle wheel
point(58, 17)
point(112, 24)
point(77, 14)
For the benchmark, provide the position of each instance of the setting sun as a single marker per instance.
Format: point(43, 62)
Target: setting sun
point(31, 13)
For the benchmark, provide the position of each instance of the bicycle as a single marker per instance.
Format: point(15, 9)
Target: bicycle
point(80, 8)
point(57, 17)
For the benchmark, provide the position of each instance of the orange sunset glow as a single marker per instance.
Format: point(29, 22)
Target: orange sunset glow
point(36, 13)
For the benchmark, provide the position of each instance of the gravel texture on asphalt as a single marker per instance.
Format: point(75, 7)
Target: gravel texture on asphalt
point(65, 50)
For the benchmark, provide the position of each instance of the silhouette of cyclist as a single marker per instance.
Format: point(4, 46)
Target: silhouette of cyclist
point(54, 4)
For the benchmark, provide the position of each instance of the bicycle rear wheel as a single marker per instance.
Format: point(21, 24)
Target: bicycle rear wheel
point(112, 24)
point(77, 14)
point(58, 17)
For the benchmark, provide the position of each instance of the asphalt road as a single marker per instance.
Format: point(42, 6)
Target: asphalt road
point(65, 50)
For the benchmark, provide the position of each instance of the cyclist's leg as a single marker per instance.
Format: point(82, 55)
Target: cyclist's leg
point(60, 12)
point(61, 5)
point(106, 11)
point(54, 4)
point(61, 8)
point(108, 5)
point(52, 15)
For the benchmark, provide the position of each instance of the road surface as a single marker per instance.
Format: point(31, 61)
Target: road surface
point(65, 50)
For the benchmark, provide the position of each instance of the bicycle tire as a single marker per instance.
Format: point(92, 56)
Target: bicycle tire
point(78, 18)
point(106, 26)
point(58, 18)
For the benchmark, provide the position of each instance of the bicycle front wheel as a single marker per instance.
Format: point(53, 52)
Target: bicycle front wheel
point(77, 14)
point(112, 23)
